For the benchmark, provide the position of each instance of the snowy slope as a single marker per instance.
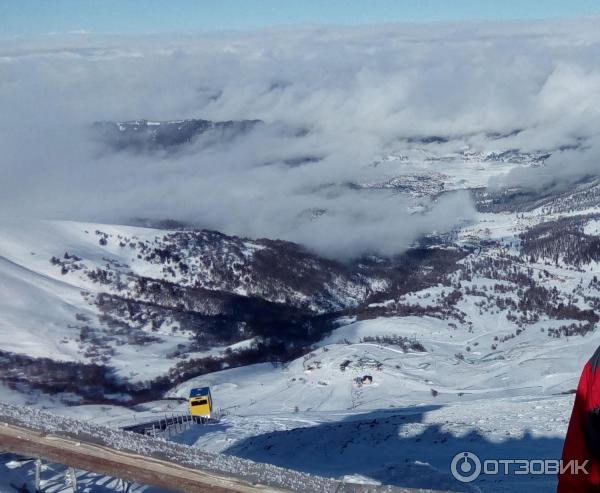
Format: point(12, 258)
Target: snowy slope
point(482, 361)
point(137, 298)
point(40, 305)
point(396, 431)
point(534, 365)
point(490, 379)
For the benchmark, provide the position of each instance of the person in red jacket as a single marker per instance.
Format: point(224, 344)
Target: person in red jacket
point(582, 442)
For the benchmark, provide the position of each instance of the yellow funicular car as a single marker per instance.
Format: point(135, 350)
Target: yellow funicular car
point(200, 403)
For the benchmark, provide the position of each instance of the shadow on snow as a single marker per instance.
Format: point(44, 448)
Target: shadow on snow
point(397, 447)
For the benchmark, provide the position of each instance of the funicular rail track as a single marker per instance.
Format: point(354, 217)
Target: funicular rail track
point(178, 421)
point(144, 460)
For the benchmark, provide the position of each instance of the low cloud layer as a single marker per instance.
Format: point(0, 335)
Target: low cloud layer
point(343, 95)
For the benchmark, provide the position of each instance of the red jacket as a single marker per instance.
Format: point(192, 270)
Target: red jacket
point(583, 435)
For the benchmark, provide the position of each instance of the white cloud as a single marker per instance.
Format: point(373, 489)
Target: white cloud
point(356, 91)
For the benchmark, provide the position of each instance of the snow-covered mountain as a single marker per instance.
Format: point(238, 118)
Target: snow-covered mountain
point(497, 316)
point(378, 245)
point(144, 304)
point(139, 135)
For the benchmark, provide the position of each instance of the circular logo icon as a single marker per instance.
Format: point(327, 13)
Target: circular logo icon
point(465, 467)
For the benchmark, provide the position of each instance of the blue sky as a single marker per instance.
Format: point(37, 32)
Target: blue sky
point(34, 17)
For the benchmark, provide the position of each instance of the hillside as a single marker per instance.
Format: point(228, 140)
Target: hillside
point(475, 342)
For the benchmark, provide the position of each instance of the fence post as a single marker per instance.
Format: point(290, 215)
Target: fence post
point(72, 479)
point(38, 469)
